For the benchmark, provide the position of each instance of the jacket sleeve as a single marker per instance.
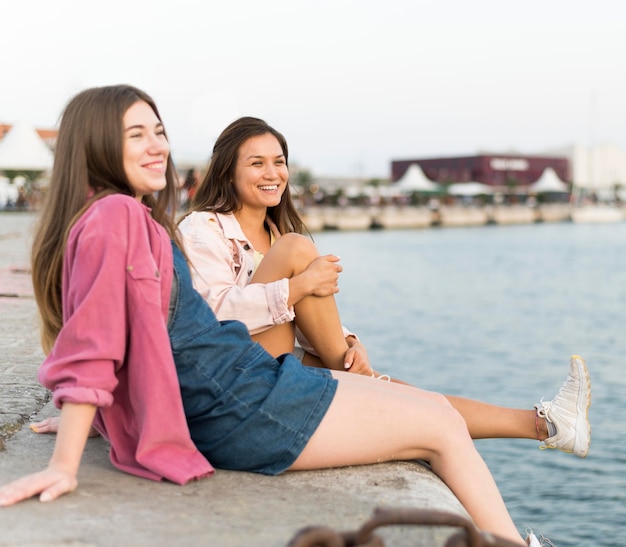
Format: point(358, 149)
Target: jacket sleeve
point(306, 345)
point(221, 277)
point(91, 345)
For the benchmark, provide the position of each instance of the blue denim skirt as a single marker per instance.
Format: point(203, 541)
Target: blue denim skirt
point(245, 410)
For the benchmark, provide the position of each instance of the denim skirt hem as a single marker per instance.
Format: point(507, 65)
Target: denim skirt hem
point(268, 437)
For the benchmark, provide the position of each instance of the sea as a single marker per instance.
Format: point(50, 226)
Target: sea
point(494, 313)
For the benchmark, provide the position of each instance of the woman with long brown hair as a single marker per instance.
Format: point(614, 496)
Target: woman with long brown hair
point(252, 263)
point(129, 325)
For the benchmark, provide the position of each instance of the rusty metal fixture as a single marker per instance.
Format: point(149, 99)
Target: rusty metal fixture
point(468, 536)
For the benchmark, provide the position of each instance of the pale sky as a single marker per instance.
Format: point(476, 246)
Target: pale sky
point(352, 84)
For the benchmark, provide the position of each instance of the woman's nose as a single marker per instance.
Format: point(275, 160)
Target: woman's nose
point(159, 145)
point(270, 171)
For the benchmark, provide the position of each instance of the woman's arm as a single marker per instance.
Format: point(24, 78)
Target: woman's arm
point(60, 475)
point(223, 279)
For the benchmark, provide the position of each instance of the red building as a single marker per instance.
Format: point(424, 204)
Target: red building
point(494, 170)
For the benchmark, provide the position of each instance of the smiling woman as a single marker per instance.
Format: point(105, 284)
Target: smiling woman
point(124, 325)
point(260, 178)
point(251, 261)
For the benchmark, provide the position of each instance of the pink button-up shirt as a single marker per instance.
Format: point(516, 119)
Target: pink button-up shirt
point(113, 350)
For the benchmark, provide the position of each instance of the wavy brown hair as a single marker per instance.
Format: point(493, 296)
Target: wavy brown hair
point(216, 192)
point(88, 165)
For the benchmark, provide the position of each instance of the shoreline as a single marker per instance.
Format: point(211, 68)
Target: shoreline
point(319, 219)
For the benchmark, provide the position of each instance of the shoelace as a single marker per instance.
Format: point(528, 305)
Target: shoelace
point(384, 377)
point(542, 540)
point(545, 541)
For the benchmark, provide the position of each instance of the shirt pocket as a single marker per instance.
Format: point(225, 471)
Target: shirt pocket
point(144, 282)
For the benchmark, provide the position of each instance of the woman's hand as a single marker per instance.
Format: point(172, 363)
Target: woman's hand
point(356, 359)
point(323, 275)
point(60, 476)
point(49, 484)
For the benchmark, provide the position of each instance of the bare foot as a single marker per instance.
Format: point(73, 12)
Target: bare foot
point(51, 425)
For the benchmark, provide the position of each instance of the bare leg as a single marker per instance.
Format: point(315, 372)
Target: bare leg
point(486, 421)
point(319, 320)
point(317, 317)
point(380, 421)
point(277, 340)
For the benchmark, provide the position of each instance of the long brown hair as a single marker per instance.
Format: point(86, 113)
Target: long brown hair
point(217, 193)
point(88, 164)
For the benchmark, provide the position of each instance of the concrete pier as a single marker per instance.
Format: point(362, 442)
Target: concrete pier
point(409, 217)
point(111, 508)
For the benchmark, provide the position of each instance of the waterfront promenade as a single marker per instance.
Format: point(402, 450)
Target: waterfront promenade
point(111, 508)
point(458, 215)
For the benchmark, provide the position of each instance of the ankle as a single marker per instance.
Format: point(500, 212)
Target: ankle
point(541, 428)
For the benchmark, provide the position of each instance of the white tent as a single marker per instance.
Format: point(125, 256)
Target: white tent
point(549, 181)
point(469, 189)
point(22, 149)
point(414, 180)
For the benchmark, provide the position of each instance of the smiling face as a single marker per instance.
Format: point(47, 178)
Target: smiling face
point(146, 150)
point(261, 173)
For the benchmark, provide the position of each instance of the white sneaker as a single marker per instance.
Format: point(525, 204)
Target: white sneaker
point(569, 410)
point(533, 541)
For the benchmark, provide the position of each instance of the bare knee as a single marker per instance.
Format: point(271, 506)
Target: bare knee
point(297, 243)
point(441, 399)
point(299, 249)
point(453, 428)
point(290, 255)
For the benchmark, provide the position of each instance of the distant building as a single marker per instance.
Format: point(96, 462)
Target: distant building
point(497, 170)
point(600, 167)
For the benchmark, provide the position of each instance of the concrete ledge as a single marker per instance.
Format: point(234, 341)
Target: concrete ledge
point(554, 212)
point(405, 217)
point(513, 214)
point(111, 508)
point(463, 216)
point(593, 214)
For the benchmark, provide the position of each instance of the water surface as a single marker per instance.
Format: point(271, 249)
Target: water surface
point(494, 313)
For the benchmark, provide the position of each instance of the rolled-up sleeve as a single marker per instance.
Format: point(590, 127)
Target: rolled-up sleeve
point(81, 368)
point(223, 282)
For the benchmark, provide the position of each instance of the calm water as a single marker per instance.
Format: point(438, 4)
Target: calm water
point(493, 313)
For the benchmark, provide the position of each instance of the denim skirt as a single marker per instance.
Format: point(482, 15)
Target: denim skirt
point(245, 410)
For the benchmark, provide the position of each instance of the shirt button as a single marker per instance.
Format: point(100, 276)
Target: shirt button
point(246, 247)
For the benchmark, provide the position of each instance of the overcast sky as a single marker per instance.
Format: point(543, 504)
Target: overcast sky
point(352, 84)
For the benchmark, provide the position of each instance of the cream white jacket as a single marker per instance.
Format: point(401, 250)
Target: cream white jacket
point(222, 264)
